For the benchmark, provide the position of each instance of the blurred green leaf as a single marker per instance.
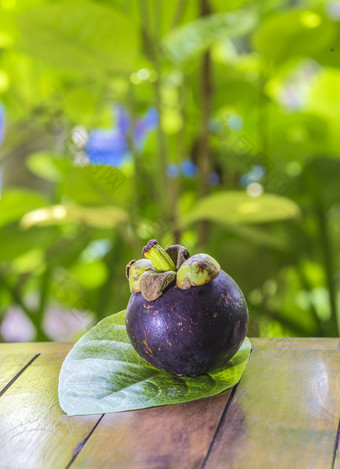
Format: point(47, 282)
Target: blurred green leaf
point(238, 207)
point(48, 166)
point(260, 237)
point(32, 260)
point(88, 38)
point(222, 6)
point(100, 217)
point(66, 251)
point(324, 96)
point(96, 185)
point(319, 181)
point(286, 304)
point(293, 32)
point(329, 56)
point(296, 136)
point(184, 42)
point(8, 30)
point(90, 274)
point(82, 103)
point(15, 242)
point(16, 202)
point(237, 254)
point(232, 87)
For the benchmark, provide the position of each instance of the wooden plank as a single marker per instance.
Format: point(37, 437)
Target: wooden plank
point(11, 365)
point(34, 432)
point(14, 357)
point(284, 413)
point(164, 437)
point(336, 452)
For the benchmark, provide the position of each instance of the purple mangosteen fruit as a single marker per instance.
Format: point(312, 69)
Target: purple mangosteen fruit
point(185, 315)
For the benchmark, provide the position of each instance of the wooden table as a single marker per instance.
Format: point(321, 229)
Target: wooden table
point(284, 413)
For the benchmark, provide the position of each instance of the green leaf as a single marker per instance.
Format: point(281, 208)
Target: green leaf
point(103, 373)
point(99, 217)
point(15, 242)
point(222, 5)
point(191, 39)
point(324, 95)
point(293, 33)
point(82, 104)
point(329, 56)
point(319, 181)
point(259, 236)
point(16, 202)
point(66, 251)
point(96, 185)
point(48, 166)
point(82, 38)
point(7, 30)
point(231, 86)
point(238, 207)
point(90, 275)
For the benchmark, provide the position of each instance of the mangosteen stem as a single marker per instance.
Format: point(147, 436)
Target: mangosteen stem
point(160, 259)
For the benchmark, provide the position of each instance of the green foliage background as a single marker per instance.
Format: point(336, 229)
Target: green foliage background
point(67, 228)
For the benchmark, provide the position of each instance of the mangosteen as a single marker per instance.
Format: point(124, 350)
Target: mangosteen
point(185, 315)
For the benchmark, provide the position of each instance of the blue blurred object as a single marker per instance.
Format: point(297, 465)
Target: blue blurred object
point(123, 120)
point(172, 171)
point(189, 169)
point(256, 174)
point(215, 125)
point(213, 179)
point(151, 118)
point(107, 147)
point(235, 122)
point(244, 180)
point(144, 126)
point(111, 147)
point(258, 171)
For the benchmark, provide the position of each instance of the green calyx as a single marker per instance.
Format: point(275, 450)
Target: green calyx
point(163, 268)
point(135, 271)
point(197, 270)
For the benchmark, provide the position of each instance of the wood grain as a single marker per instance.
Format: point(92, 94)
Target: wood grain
point(336, 453)
point(10, 365)
point(176, 436)
point(34, 432)
point(285, 411)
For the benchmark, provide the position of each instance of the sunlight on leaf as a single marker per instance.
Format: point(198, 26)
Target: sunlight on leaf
point(186, 41)
point(16, 202)
point(293, 33)
point(100, 217)
point(76, 39)
point(238, 207)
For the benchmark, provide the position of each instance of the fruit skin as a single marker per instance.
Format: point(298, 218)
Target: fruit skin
point(189, 332)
